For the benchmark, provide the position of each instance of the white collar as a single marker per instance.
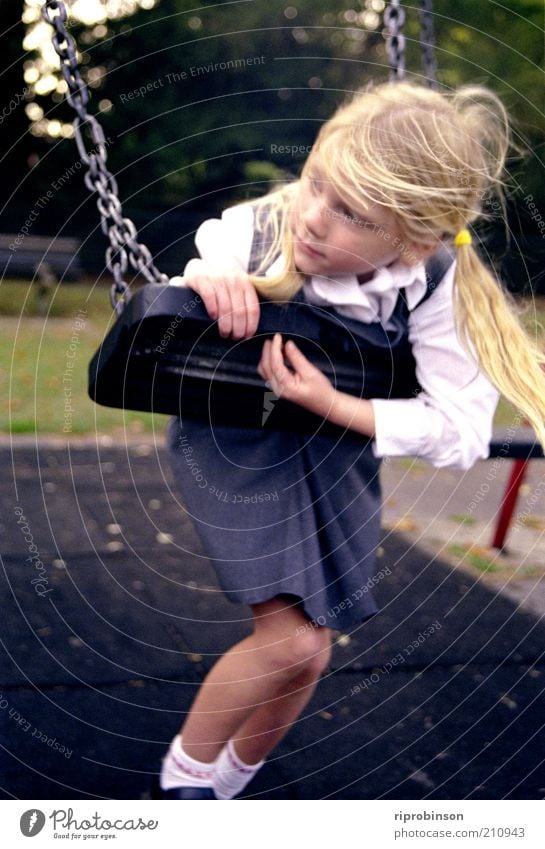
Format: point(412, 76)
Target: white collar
point(374, 300)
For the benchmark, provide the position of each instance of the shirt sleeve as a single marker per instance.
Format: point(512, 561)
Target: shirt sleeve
point(450, 422)
point(226, 242)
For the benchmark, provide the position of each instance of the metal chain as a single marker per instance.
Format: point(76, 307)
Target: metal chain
point(427, 42)
point(124, 246)
point(394, 18)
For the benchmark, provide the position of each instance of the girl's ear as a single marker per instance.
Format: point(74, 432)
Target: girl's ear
point(417, 252)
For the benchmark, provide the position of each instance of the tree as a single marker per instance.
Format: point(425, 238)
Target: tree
point(203, 108)
point(17, 146)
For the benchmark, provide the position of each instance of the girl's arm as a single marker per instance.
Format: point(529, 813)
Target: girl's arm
point(450, 422)
point(220, 277)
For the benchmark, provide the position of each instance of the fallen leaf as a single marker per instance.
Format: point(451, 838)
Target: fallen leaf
point(422, 778)
point(164, 539)
point(405, 524)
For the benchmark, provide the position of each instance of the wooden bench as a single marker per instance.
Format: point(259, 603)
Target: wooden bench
point(24, 256)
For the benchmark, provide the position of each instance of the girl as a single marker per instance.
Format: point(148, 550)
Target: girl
point(291, 520)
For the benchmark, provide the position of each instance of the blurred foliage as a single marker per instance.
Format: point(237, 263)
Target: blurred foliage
point(207, 104)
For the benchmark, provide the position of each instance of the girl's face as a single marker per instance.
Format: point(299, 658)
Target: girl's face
point(330, 238)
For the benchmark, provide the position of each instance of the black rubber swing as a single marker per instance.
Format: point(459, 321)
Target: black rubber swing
point(164, 353)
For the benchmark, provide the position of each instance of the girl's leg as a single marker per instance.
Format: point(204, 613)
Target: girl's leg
point(246, 751)
point(267, 725)
point(270, 675)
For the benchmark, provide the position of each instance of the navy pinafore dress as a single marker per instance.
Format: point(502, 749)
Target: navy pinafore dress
point(298, 514)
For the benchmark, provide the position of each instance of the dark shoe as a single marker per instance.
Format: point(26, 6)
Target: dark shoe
point(181, 792)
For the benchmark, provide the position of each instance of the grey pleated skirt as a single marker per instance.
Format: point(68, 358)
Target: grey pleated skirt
point(284, 513)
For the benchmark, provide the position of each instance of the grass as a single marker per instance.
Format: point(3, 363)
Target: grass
point(34, 352)
point(44, 356)
point(20, 298)
point(462, 519)
point(479, 558)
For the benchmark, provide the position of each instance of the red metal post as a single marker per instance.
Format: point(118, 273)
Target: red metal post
point(509, 501)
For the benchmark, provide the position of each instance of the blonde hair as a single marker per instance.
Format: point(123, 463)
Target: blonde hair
point(433, 158)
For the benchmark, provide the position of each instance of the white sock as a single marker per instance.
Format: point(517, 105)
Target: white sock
point(179, 770)
point(231, 774)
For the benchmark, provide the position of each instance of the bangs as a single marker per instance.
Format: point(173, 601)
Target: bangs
point(347, 172)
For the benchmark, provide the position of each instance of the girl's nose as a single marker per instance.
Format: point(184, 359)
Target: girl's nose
point(315, 217)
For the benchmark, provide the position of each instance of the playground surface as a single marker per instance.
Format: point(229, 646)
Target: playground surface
point(112, 616)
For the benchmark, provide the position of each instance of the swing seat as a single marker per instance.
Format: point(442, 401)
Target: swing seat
point(164, 354)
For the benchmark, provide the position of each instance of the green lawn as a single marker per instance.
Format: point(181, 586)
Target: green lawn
point(37, 353)
point(42, 358)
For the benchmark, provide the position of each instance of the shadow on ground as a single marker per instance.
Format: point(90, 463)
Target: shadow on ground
point(441, 696)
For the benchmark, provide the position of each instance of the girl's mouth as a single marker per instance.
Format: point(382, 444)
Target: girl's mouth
point(308, 249)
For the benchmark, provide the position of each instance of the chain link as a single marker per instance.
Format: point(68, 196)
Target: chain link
point(394, 18)
point(124, 248)
point(427, 42)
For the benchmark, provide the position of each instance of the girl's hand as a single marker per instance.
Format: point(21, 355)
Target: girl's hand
point(305, 385)
point(229, 297)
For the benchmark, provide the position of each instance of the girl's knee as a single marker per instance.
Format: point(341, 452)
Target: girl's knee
point(318, 650)
point(289, 641)
point(313, 647)
point(298, 653)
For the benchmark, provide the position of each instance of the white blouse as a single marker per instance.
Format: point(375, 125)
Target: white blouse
point(450, 422)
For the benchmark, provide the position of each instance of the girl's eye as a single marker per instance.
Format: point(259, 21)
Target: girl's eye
point(360, 222)
point(351, 217)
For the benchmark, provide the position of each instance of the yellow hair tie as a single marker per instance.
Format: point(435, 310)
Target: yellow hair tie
point(462, 238)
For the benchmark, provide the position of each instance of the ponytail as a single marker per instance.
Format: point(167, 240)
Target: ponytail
point(487, 319)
